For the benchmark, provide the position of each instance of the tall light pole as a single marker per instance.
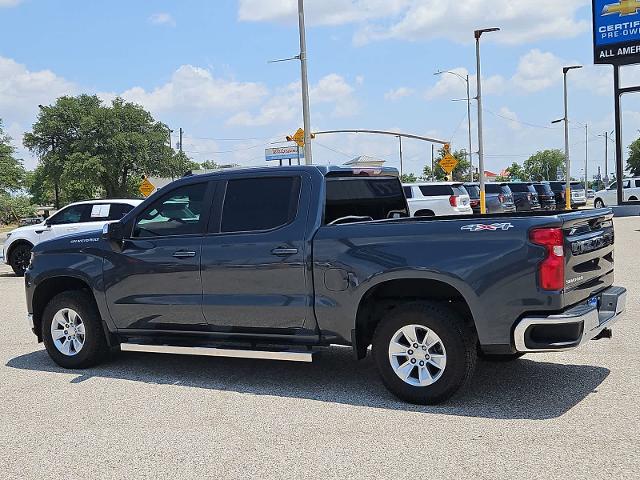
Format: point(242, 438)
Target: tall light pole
point(586, 158)
point(606, 157)
point(401, 167)
point(306, 115)
point(465, 79)
point(478, 34)
point(567, 191)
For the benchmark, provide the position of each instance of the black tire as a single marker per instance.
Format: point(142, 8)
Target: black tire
point(503, 358)
point(95, 348)
point(19, 258)
point(458, 338)
point(598, 203)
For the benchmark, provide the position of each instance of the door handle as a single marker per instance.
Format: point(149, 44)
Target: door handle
point(283, 252)
point(184, 254)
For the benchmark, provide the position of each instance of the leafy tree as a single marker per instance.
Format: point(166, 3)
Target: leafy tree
point(516, 171)
point(12, 172)
point(408, 178)
point(209, 165)
point(633, 163)
point(544, 165)
point(88, 149)
point(13, 208)
point(460, 173)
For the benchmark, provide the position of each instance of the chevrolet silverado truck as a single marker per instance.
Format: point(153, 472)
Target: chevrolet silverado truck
point(278, 263)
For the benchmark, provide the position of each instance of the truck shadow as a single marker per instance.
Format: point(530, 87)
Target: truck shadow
point(523, 389)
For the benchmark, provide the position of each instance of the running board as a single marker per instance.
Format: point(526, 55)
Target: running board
point(291, 356)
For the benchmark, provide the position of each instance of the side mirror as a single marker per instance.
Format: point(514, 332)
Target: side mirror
point(113, 232)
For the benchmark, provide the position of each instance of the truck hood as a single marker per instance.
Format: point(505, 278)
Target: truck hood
point(73, 242)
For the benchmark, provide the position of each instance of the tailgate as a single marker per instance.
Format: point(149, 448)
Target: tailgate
point(589, 244)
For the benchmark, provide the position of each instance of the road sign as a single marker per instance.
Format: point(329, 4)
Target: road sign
point(298, 137)
point(147, 188)
point(283, 153)
point(616, 31)
point(448, 163)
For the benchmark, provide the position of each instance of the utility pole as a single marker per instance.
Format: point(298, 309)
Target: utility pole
point(586, 158)
point(477, 35)
point(401, 166)
point(605, 135)
point(181, 131)
point(567, 192)
point(433, 155)
point(306, 115)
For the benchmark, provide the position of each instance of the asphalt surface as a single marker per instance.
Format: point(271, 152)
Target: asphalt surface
point(571, 415)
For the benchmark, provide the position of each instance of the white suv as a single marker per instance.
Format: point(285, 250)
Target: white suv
point(77, 217)
point(437, 199)
point(608, 197)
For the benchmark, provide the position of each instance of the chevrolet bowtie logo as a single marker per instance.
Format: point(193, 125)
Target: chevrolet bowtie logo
point(622, 8)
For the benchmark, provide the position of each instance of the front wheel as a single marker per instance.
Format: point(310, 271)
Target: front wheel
point(598, 203)
point(424, 352)
point(19, 258)
point(72, 331)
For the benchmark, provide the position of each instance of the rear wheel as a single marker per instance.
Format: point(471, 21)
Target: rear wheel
point(424, 352)
point(598, 203)
point(19, 258)
point(72, 331)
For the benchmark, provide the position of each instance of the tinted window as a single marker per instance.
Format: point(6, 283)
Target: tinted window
point(378, 198)
point(543, 188)
point(474, 191)
point(521, 188)
point(436, 190)
point(177, 213)
point(255, 204)
point(73, 214)
point(637, 183)
point(407, 192)
point(497, 189)
point(577, 186)
point(119, 210)
point(613, 186)
point(459, 190)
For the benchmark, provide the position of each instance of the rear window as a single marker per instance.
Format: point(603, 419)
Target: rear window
point(408, 192)
point(459, 190)
point(496, 188)
point(436, 190)
point(522, 188)
point(378, 198)
point(474, 191)
point(577, 186)
point(543, 188)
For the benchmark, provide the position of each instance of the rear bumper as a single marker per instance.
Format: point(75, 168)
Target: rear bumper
point(571, 328)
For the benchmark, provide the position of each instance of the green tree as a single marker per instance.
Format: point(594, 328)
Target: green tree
point(408, 178)
point(88, 149)
point(12, 172)
point(633, 162)
point(544, 165)
point(516, 171)
point(14, 208)
point(460, 173)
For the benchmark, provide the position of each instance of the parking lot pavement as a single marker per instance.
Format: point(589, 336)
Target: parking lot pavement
point(572, 415)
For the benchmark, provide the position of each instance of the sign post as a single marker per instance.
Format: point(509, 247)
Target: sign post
point(616, 41)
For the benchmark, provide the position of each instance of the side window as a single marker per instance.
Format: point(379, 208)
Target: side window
point(613, 186)
point(119, 210)
point(407, 192)
point(626, 184)
point(637, 183)
point(73, 214)
point(98, 212)
point(179, 212)
point(257, 204)
point(436, 190)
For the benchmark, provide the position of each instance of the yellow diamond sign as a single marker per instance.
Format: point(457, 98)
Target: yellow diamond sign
point(448, 163)
point(147, 188)
point(298, 137)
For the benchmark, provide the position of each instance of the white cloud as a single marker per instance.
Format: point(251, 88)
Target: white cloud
point(195, 88)
point(450, 85)
point(511, 117)
point(325, 12)
point(537, 70)
point(162, 19)
point(398, 93)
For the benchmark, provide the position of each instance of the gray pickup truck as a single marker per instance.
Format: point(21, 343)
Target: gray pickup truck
point(278, 263)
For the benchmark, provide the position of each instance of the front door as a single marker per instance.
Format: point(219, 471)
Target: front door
point(255, 260)
point(155, 284)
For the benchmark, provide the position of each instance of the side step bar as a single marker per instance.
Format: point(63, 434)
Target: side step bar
point(291, 356)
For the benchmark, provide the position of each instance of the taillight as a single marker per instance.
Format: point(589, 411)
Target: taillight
point(453, 200)
point(475, 203)
point(551, 269)
point(502, 198)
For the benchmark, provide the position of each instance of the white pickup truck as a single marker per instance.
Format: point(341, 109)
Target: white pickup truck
point(608, 197)
point(74, 218)
point(437, 199)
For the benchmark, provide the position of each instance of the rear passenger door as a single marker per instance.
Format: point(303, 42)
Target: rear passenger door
point(255, 261)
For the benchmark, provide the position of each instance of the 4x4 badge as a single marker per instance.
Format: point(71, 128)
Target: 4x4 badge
point(480, 227)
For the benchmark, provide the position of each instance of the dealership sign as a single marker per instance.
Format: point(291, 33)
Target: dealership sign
point(283, 153)
point(616, 31)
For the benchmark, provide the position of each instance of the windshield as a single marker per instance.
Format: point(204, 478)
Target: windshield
point(521, 188)
point(543, 188)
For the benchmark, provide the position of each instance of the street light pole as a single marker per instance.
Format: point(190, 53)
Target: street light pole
point(567, 192)
point(306, 115)
point(477, 35)
point(586, 158)
point(401, 168)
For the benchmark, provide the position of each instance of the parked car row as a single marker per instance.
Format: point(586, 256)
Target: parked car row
point(456, 198)
point(609, 196)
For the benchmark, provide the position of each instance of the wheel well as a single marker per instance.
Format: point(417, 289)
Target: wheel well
point(49, 289)
point(15, 244)
point(388, 295)
point(633, 199)
point(425, 213)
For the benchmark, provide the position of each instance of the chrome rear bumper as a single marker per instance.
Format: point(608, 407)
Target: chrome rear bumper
point(571, 328)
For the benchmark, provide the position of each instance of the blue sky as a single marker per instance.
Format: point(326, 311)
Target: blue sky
point(202, 66)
